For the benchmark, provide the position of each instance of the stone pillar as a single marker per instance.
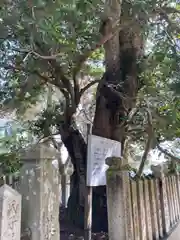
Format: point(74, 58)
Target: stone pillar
point(119, 219)
point(39, 186)
point(10, 214)
point(159, 171)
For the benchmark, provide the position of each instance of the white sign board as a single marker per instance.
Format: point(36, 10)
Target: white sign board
point(99, 149)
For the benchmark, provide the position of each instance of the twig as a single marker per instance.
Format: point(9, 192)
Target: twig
point(52, 57)
point(21, 68)
point(30, 51)
point(58, 68)
point(60, 80)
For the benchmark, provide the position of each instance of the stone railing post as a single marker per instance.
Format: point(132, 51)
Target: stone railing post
point(119, 214)
point(10, 213)
point(159, 171)
point(39, 187)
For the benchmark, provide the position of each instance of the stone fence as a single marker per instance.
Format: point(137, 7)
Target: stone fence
point(30, 211)
point(142, 209)
point(13, 180)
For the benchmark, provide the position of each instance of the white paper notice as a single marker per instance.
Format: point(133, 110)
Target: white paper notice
point(99, 149)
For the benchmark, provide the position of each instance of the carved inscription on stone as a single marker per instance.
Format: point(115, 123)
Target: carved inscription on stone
point(10, 214)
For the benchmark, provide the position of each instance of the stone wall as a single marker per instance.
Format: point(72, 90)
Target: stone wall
point(39, 187)
point(141, 208)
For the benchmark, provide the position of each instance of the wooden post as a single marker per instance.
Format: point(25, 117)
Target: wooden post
point(88, 204)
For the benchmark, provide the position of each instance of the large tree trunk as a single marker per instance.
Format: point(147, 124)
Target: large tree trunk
point(116, 96)
point(77, 149)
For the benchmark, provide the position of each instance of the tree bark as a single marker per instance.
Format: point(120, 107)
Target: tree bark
point(77, 149)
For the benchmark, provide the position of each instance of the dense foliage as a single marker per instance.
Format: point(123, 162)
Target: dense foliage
point(50, 45)
point(13, 138)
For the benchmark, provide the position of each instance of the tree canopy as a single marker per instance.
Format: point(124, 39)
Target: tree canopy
point(13, 138)
point(58, 45)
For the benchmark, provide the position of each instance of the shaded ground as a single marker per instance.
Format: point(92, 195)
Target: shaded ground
point(70, 232)
point(175, 235)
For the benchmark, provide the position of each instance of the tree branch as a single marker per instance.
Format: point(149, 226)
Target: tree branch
point(62, 82)
point(88, 86)
point(165, 151)
point(132, 113)
point(83, 57)
point(76, 90)
point(30, 51)
point(58, 68)
point(59, 75)
point(149, 131)
point(46, 79)
point(170, 10)
point(52, 57)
